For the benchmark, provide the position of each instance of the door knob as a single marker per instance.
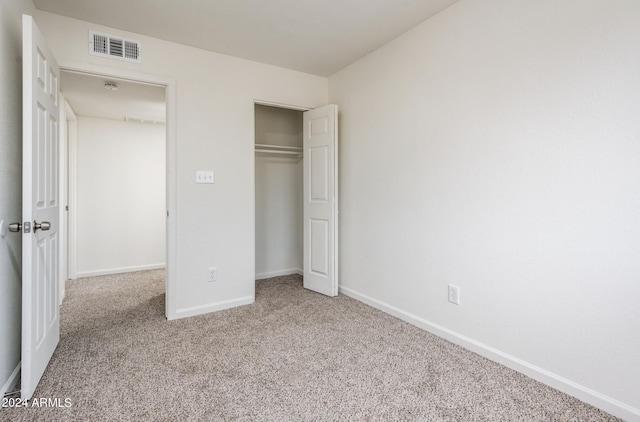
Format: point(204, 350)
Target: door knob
point(44, 226)
point(15, 227)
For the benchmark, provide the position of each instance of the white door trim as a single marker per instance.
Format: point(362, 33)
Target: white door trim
point(72, 156)
point(171, 163)
point(280, 105)
point(68, 123)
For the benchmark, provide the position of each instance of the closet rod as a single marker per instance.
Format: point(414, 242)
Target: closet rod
point(278, 147)
point(271, 151)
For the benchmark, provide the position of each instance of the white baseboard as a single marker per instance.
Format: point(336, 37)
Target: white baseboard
point(269, 274)
point(594, 398)
point(211, 307)
point(108, 271)
point(12, 381)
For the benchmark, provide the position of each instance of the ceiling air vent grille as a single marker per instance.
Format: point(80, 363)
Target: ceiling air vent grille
point(131, 50)
point(113, 46)
point(100, 43)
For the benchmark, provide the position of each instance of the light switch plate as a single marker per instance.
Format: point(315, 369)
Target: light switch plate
point(204, 176)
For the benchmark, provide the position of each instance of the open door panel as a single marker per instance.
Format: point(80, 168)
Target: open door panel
point(320, 192)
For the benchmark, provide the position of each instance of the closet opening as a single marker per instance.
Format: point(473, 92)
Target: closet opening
point(296, 194)
point(279, 234)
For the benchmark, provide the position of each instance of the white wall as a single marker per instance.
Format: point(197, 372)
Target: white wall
point(278, 194)
point(11, 187)
point(121, 213)
point(215, 107)
point(496, 146)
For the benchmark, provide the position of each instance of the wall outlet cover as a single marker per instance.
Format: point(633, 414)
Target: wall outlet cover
point(454, 294)
point(212, 274)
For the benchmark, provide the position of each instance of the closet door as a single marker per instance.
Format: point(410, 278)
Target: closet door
point(320, 192)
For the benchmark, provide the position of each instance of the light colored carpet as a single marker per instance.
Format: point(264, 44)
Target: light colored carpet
point(294, 355)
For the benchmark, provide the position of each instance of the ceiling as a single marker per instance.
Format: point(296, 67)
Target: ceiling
point(313, 36)
point(131, 101)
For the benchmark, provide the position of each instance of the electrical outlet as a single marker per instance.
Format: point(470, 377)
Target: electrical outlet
point(212, 274)
point(454, 294)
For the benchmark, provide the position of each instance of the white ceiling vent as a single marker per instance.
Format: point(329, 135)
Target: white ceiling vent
point(113, 46)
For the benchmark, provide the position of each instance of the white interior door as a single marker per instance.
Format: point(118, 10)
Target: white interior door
point(320, 192)
point(40, 207)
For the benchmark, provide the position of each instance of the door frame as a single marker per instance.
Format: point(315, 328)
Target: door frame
point(68, 142)
point(171, 161)
point(253, 157)
point(335, 209)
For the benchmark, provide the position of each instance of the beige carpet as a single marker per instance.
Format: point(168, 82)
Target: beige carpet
point(294, 355)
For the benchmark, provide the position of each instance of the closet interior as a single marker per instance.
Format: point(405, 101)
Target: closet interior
point(278, 191)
